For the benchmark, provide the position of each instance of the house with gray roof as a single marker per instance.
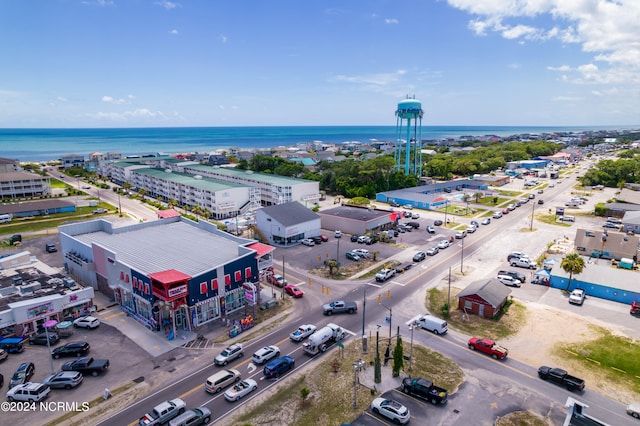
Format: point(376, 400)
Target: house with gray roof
point(606, 244)
point(484, 298)
point(631, 222)
point(286, 224)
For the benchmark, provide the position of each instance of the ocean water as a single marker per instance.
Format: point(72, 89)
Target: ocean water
point(52, 144)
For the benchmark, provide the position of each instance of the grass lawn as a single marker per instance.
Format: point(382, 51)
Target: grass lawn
point(508, 323)
point(330, 383)
point(613, 358)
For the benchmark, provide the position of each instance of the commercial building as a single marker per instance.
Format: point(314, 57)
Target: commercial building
point(32, 293)
point(287, 224)
point(168, 274)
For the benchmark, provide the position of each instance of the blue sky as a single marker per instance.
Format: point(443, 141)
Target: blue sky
point(141, 63)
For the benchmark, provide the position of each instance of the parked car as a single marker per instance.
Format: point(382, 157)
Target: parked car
point(317, 239)
point(23, 373)
point(431, 229)
point(240, 389)
point(517, 275)
point(87, 322)
point(437, 222)
point(475, 224)
point(443, 244)
point(354, 238)
point(263, 355)
point(294, 291)
point(31, 392)
point(432, 251)
point(362, 239)
point(277, 280)
point(540, 201)
point(324, 238)
point(523, 262)
point(610, 225)
point(509, 280)
point(413, 224)
point(419, 256)
point(71, 349)
point(50, 248)
point(391, 409)
point(497, 215)
point(505, 211)
point(352, 256)
point(461, 234)
point(415, 215)
point(515, 255)
point(43, 338)
point(471, 229)
point(230, 353)
point(577, 296)
point(3, 355)
point(64, 380)
point(337, 234)
point(362, 253)
point(486, 221)
point(308, 242)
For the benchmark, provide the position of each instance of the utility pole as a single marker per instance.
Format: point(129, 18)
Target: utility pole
point(364, 307)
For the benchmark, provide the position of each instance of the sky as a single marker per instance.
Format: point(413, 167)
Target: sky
point(160, 63)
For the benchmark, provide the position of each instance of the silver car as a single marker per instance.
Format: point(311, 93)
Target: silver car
point(229, 354)
point(64, 380)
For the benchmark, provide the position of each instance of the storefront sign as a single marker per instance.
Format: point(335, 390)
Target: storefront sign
point(177, 291)
point(39, 310)
point(249, 293)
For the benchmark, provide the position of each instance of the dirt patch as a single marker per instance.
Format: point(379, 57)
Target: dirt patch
point(541, 338)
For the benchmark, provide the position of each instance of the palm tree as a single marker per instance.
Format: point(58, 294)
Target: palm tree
point(477, 196)
point(573, 263)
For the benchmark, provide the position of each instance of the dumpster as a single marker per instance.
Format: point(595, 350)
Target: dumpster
point(64, 329)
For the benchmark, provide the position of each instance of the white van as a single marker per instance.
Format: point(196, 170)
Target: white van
point(5, 218)
point(433, 324)
point(567, 218)
point(221, 380)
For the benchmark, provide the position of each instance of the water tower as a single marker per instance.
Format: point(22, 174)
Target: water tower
point(408, 150)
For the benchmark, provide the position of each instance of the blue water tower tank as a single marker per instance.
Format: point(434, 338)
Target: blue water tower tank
point(409, 108)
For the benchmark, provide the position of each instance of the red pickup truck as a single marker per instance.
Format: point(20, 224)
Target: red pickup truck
point(488, 347)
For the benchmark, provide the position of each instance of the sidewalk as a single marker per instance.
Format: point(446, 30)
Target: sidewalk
point(156, 343)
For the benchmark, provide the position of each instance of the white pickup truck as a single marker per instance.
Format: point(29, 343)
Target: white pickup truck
point(577, 296)
point(523, 262)
point(385, 274)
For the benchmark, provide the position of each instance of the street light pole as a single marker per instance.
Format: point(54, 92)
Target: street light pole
point(411, 327)
point(364, 307)
point(446, 204)
point(462, 257)
point(533, 206)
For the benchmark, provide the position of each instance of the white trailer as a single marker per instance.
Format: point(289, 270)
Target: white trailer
point(324, 338)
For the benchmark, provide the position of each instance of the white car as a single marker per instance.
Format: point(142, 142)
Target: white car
point(443, 244)
point(308, 242)
point(240, 389)
point(86, 322)
point(497, 215)
point(577, 296)
point(302, 332)
point(486, 221)
point(361, 252)
point(509, 280)
point(265, 354)
point(391, 409)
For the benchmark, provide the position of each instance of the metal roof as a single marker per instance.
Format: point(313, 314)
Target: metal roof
point(249, 175)
point(356, 213)
point(190, 180)
point(168, 245)
point(290, 214)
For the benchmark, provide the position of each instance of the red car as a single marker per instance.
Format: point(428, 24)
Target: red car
point(293, 291)
point(635, 308)
point(488, 347)
point(324, 238)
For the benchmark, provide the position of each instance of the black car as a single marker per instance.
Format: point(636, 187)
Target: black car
point(541, 201)
point(354, 238)
point(437, 222)
point(517, 275)
point(414, 225)
point(419, 256)
point(1, 380)
point(71, 349)
point(23, 374)
point(393, 204)
point(41, 338)
point(317, 240)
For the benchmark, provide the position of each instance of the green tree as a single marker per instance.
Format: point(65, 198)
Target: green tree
point(398, 358)
point(572, 264)
point(477, 196)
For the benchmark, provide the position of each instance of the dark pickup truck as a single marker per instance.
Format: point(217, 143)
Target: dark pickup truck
point(561, 377)
point(425, 389)
point(87, 365)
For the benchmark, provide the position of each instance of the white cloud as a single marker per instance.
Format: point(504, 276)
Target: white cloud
point(174, 31)
point(222, 38)
point(111, 100)
point(137, 114)
point(99, 3)
point(168, 5)
point(562, 68)
point(608, 29)
point(391, 21)
point(566, 98)
point(61, 99)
